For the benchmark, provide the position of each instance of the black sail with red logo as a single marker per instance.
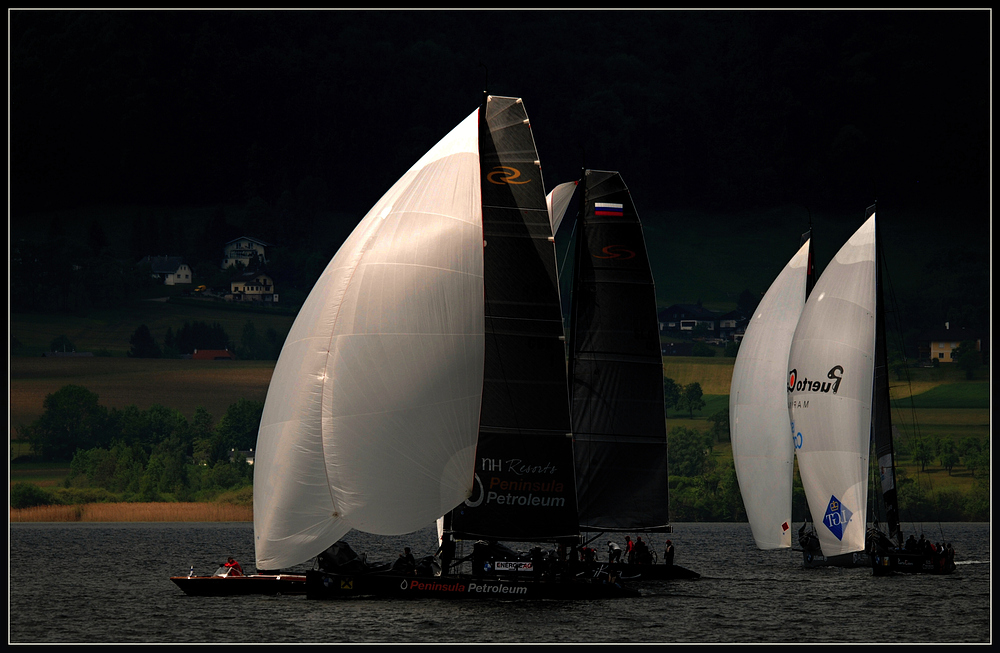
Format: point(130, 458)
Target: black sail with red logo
point(615, 367)
point(524, 487)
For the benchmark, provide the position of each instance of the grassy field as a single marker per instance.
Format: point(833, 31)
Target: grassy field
point(135, 512)
point(184, 385)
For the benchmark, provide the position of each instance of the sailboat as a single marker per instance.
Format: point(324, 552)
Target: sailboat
point(615, 372)
point(424, 376)
point(838, 406)
point(763, 454)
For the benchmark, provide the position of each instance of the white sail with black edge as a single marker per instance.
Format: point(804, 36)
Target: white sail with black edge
point(829, 385)
point(763, 454)
point(558, 201)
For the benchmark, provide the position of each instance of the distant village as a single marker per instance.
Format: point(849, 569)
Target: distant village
point(253, 285)
point(704, 325)
point(685, 329)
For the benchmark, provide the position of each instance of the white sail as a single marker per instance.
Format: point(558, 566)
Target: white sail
point(830, 380)
point(372, 413)
point(758, 410)
point(558, 201)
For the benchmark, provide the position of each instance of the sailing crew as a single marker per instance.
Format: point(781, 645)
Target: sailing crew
point(668, 554)
point(406, 563)
point(614, 552)
point(629, 550)
point(642, 552)
point(234, 567)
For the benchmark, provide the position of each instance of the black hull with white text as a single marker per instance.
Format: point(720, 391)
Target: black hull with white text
point(324, 585)
point(900, 562)
point(813, 560)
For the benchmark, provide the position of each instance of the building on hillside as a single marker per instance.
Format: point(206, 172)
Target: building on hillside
point(253, 286)
point(235, 455)
point(685, 318)
point(251, 252)
point(940, 345)
point(171, 270)
point(732, 326)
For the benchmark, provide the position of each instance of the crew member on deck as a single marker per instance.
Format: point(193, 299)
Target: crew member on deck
point(406, 563)
point(234, 567)
point(668, 554)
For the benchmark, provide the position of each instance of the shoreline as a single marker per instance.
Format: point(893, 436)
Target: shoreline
point(135, 512)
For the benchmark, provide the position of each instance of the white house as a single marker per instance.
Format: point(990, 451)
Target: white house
point(253, 286)
point(246, 250)
point(171, 270)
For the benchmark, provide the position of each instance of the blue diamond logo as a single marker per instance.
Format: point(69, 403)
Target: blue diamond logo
point(837, 517)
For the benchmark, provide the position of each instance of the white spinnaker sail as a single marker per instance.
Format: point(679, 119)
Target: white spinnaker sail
point(558, 201)
point(758, 407)
point(830, 379)
point(372, 414)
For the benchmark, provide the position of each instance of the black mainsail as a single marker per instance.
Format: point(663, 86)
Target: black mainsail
point(615, 367)
point(524, 476)
point(881, 411)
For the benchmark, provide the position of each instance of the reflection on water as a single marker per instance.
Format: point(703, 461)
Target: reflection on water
point(110, 583)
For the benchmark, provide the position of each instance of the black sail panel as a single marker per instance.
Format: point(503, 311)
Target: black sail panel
point(524, 484)
point(881, 411)
point(616, 370)
point(810, 269)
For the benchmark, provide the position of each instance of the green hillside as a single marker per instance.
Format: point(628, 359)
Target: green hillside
point(975, 394)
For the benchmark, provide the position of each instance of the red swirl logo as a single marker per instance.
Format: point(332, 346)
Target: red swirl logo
point(616, 251)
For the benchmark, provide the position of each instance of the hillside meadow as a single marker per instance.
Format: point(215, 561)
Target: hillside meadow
point(183, 385)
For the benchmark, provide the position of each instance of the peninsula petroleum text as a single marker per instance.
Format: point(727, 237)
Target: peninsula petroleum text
point(471, 587)
point(521, 493)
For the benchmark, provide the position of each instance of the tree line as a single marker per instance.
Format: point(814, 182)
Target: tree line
point(131, 454)
point(200, 335)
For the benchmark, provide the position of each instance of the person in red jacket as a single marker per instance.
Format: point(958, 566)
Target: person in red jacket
point(234, 567)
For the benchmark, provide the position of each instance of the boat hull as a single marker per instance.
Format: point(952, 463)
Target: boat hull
point(884, 564)
point(241, 585)
point(813, 560)
point(323, 585)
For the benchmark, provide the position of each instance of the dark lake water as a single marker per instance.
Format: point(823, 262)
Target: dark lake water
point(93, 583)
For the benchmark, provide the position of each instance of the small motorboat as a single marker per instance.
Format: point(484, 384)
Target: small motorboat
point(227, 582)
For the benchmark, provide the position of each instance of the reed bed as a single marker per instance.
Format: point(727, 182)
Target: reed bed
point(135, 512)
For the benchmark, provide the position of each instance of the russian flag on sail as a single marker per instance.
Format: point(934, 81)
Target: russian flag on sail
point(607, 208)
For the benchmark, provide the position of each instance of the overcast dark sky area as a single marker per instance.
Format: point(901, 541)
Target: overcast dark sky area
point(713, 109)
